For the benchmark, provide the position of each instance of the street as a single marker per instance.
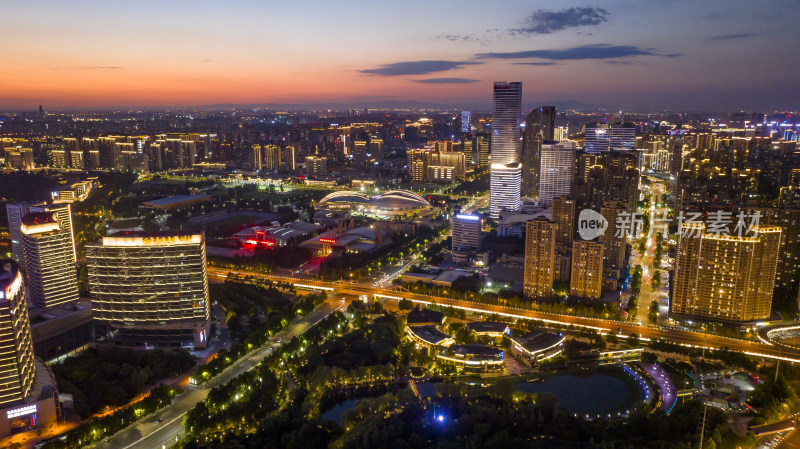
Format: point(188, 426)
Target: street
point(164, 427)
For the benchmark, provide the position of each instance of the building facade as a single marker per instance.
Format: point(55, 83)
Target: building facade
point(586, 277)
point(150, 288)
point(49, 260)
point(725, 277)
point(506, 171)
point(540, 241)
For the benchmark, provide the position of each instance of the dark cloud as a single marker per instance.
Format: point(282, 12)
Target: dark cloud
point(446, 81)
point(459, 37)
point(597, 51)
point(727, 37)
point(417, 67)
point(534, 63)
point(545, 22)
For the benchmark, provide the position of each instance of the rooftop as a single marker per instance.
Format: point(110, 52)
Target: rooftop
point(419, 316)
point(175, 199)
point(487, 326)
point(429, 334)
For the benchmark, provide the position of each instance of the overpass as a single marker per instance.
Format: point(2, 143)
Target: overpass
point(646, 332)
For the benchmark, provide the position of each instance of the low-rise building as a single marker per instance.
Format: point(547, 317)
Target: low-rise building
point(492, 329)
point(473, 358)
point(536, 346)
point(428, 337)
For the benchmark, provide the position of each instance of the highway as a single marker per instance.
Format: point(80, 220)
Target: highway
point(164, 427)
point(644, 331)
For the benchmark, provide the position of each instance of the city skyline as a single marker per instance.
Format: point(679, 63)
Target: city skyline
point(676, 55)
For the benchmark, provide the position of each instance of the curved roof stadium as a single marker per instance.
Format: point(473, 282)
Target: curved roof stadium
point(399, 200)
point(396, 200)
point(345, 196)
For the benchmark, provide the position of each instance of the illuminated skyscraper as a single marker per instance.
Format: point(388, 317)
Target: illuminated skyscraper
point(16, 211)
point(272, 157)
point(481, 148)
point(317, 165)
point(256, 156)
point(539, 128)
point(506, 171)
point(557, 170)
point(725, 277)
point(17, 369)
point(586, 277)
point(466, 120)
point(49, 260)
point(540, 240)
point(466, 231)
point(504, 186)
point(150, 288)
point(564, 217)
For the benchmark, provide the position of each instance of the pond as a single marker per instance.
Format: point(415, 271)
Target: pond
point(335, 414)
point(589, 394)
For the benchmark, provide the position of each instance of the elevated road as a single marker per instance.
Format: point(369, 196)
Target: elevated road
point(647, 332)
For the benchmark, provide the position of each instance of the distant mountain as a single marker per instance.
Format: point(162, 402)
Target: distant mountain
point(474, 105)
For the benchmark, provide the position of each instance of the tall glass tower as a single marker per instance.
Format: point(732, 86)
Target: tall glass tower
point(505, 148)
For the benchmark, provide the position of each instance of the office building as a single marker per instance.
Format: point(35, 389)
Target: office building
point(150, 288)
point(540, 240)
point(430, 164)
point(564, 214)
point(28, 392)
point(539, 128)
point(466, 122)
point(49, 260)
point(17, 370)
point(504, 186)
point(466, 231)
point(557, 171)
point(725, 277)
point(586, 276)
point(600, 137)
point(288, 158)
point(15, 212)
point(622, 136)
point(505, 148)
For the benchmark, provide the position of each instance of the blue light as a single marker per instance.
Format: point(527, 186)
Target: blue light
point(440, 418)
point(468, 217)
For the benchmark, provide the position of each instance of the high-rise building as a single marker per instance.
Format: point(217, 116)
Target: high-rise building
point(481, 148)
point(599, 137)
point(539, 128)
point(289, 157)
point(256, 157)
point(150, 288)
point(360, 150)
point(317, 165)
point(430, 164)
point(272, 157)
point(466, 121)
point(376, 149)
point(504, 187)
point(15, 212)
point(49, 260)
point(586, 277)
point(557, 170)
point(595, 138)
point(622, 136)
point(564, 214)
point(505, 148)
point(17, 368)
point(540, 240)
point(725, 277)
point(466, 231)
point(615, 241)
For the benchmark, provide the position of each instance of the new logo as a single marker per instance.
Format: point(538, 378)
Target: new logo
point(591, 224)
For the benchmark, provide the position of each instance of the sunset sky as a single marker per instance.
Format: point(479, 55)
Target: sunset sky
point(642, 55)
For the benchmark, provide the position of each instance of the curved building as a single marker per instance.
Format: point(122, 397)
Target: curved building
point(150, 288)
point(395, 202)
point(17, 370)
